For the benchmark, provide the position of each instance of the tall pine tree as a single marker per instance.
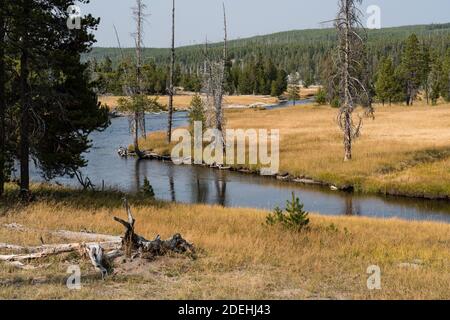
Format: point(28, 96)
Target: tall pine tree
point(411, 68)
point(385, 83)
point(58, 107)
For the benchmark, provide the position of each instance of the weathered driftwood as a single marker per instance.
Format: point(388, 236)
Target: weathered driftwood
point(49, 250)
point(131, 245)
point(11, 247)
point(95, 253)
point(69, 235)
point(20, 265)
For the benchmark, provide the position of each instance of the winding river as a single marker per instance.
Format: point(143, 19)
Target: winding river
point(191, 184)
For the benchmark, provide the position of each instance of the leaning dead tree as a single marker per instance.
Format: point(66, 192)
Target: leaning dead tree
point(214, 80)
point(349, 67)
point(101, 249)
point(171, 80)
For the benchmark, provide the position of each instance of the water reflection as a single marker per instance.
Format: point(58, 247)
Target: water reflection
point(192, 184)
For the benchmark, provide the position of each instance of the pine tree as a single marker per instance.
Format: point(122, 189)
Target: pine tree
point(411, 68)
point(197, 112)
point(294, 218)
point(385, 83)
point(445, 85)
point(434, 82)
point(280, 84)
point(58, 107)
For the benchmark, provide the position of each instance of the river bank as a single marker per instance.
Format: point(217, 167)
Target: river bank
point(235, 248)
point(182, 102)
point(404, 152)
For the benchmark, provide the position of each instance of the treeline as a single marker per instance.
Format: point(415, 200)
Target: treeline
point(259, 76)
point(421, 67)
point(301, 52)
point(47, 105)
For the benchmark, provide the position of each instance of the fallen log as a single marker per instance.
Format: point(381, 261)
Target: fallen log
point(131, 245)
point(69, 235)
point(11, 247)
point(48, 250)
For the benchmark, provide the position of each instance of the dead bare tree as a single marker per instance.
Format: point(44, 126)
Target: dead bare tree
point(2, 97)
point(214, 85)
point(172, 71)
point(133, 86)
point(139, 17)
point(349, 65)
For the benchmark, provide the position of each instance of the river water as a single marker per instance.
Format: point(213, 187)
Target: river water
point(191, 184)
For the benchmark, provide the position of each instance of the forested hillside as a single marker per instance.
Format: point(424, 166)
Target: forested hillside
point(300, 51)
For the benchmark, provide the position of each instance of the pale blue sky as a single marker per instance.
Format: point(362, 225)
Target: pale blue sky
point(197, 19)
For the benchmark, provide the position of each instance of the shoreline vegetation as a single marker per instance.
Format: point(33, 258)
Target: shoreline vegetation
point(182, 100)
point(328, 261)
point(397, 154)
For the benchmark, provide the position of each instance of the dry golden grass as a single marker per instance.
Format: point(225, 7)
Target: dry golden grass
point(405, 150)
point(239, 257)
point(182, 102)
point(309, 92)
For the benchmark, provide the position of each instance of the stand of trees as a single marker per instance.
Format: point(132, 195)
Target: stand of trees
point(302, 51)
point(47, 105)
point(420, 69)
point(257, 76)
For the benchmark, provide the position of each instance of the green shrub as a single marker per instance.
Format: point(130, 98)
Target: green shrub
point(147, 189)
point(321, 97)
point(197, 112)
point(336, 103)
point(293, 218)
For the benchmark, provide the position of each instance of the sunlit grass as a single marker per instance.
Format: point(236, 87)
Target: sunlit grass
point(239, 257)
point(405, 150)
point(182, 102)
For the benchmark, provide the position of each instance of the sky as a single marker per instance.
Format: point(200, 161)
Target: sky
point(197, 20)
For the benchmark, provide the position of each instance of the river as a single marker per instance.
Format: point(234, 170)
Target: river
point(191, 184)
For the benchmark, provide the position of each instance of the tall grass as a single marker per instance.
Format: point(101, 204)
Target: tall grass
point(405, 150)
point(239, 257)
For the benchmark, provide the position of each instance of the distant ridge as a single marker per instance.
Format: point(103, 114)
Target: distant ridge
point(290, 49)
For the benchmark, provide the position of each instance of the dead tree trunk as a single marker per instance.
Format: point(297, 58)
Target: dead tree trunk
point(221, 88)
point(139, 116)
point(24, 105)
point(172, 71)
point(2, 98)
point(214, 86)
point(349, 66)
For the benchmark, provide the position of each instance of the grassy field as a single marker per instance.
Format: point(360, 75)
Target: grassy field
point(182, 102)
point(404, 151)
point(239, 257)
